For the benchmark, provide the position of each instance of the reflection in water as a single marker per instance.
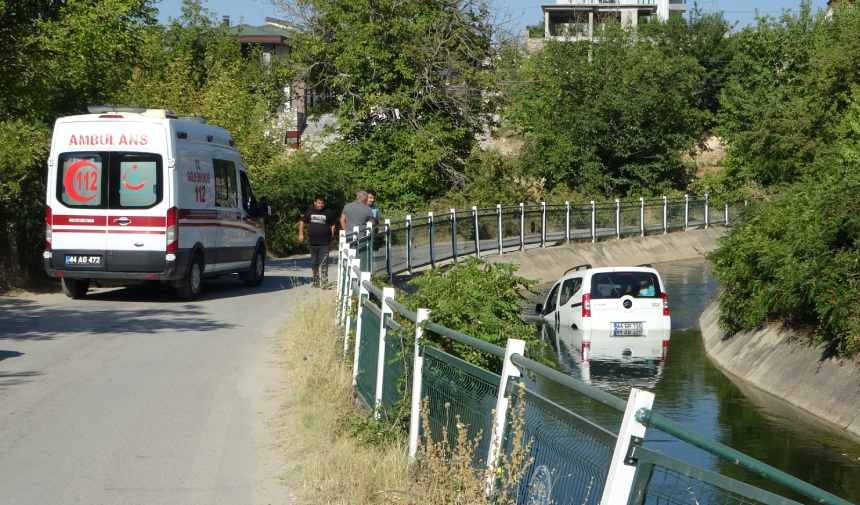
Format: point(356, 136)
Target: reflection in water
point(691, 391)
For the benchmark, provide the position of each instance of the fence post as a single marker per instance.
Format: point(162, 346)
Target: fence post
point(686, 212)
point(727, 213)
point(509, 369)
point(617, 218)
point(665, 216)
point(388, 250)
point(567, 222)
point(619, 480)
point(409, 244)
point(543, 224)
point(387, 313)
point(522, 227)
point(347, 299)
point(706, 210)
point(499, 215)
point(341, 248)
point(642, 216)
point(477, 233)
point(454, 234)
point(432, 240)
point(417, 381)
point(370, 236)
point(593, 223)
point(363, 294)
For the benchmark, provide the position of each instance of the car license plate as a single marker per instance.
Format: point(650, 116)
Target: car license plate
point(77, 260)
point(627, 329)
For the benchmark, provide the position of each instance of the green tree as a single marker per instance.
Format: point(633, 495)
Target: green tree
point(608, 119)
point(404, 80)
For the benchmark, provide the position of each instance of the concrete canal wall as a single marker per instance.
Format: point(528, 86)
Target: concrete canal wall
point(549, 264)
point(773, 360)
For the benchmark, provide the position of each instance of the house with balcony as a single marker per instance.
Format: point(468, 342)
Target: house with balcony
point(573, 20)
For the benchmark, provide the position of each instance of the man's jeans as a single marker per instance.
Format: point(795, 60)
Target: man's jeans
point(319, 263)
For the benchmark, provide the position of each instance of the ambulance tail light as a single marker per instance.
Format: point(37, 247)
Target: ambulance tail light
point(173, 229)
point(49, 228)
point(586, 305)
point(665, 305)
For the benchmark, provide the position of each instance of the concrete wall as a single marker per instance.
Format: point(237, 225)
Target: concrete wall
point(549, 264)
point(776, 362)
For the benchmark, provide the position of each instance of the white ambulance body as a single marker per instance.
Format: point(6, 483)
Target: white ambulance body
point(136, 194)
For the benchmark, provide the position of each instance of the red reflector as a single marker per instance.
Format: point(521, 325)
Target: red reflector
point(110, 116)
point(60, 274)
point(151, 276)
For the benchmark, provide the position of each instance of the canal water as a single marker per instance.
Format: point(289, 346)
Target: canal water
point(690, 390)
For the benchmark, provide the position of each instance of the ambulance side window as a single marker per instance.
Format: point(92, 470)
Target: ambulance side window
point(249, 203)
point(226, 190)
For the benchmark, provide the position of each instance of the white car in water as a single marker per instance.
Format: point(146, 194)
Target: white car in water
point(623, 301)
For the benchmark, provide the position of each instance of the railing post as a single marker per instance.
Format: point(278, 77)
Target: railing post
point(341, 248)
point(522, 227)
point(477, 233)
point(417, 381)
point(642, 216)
point(363, 294)
point(347, 299)
point(665, 216)
point(727, 214)
point(619, 480)
point(454, 234)
point(370, 236)
point(707, 211)
point(617, 218)
point(543, 224)
point(509, 369)
point(409, 244)
point(686, 212)
point(499, 215)
point(387, 313)
point(593, 222)
point(432, 240)
point(567, 222)
point(388, 250)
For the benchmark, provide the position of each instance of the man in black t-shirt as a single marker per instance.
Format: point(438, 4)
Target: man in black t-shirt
point(320, 232)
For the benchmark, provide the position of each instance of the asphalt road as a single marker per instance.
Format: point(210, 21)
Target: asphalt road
point(130, 396)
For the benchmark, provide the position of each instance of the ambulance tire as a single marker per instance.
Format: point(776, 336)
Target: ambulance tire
point(192, 283)
point(75, 288)
point(254, 277)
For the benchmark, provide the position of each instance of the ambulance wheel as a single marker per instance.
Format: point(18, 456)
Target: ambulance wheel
point(254, 277)
point(191, 284)
point(75, 288)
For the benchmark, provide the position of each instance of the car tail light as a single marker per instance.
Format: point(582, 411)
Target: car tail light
point(665, 305)
point(665, 350)
point(586, 305)
point(586, 351)
point(173, 229)
point(49, 228)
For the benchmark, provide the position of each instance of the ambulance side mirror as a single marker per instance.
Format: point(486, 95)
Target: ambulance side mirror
point(263, 208)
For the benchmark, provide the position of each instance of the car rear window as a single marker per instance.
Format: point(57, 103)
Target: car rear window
point(618, 284)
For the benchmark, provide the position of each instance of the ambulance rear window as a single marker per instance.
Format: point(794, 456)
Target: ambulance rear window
point(138, 178)
point(81, 178)
point(115, 180)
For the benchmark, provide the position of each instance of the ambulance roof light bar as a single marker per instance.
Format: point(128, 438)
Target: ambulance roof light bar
point(106, 109)
point(194, 119)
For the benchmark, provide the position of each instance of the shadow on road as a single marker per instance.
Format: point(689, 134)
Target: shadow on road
point(9, 354)
point(13, 379)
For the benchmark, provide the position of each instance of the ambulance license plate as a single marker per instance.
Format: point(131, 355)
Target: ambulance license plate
point(73, 260)
point(627, 329)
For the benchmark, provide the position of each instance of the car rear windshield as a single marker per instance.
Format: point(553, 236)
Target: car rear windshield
point(618, 284)
point(115, 180)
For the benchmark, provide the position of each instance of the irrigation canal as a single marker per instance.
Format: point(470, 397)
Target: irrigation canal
point(692, 391)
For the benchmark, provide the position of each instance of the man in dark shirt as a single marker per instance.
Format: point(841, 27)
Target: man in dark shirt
point(320, 232)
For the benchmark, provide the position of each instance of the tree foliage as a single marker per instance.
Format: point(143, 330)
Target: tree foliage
point(404, 80)
point(607, 119)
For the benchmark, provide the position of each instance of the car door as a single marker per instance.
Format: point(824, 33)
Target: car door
point(570, 302)
point(550, 312)
point(253, 226)
point(229, 237)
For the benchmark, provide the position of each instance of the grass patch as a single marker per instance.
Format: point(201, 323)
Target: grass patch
point(327, 464)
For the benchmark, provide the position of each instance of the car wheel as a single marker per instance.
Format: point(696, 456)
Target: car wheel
point(75, 288)
point(192, 283)
point(254, 277)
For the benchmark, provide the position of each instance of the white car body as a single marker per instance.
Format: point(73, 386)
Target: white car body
point(136, 194)
point(622, 301)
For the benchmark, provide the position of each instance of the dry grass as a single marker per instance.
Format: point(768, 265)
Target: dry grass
point(325, 464)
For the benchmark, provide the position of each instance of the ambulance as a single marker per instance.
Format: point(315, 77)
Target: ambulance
point(137, 194)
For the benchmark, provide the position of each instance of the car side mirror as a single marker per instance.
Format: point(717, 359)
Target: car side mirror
point(539, 308)
point(263, 208)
